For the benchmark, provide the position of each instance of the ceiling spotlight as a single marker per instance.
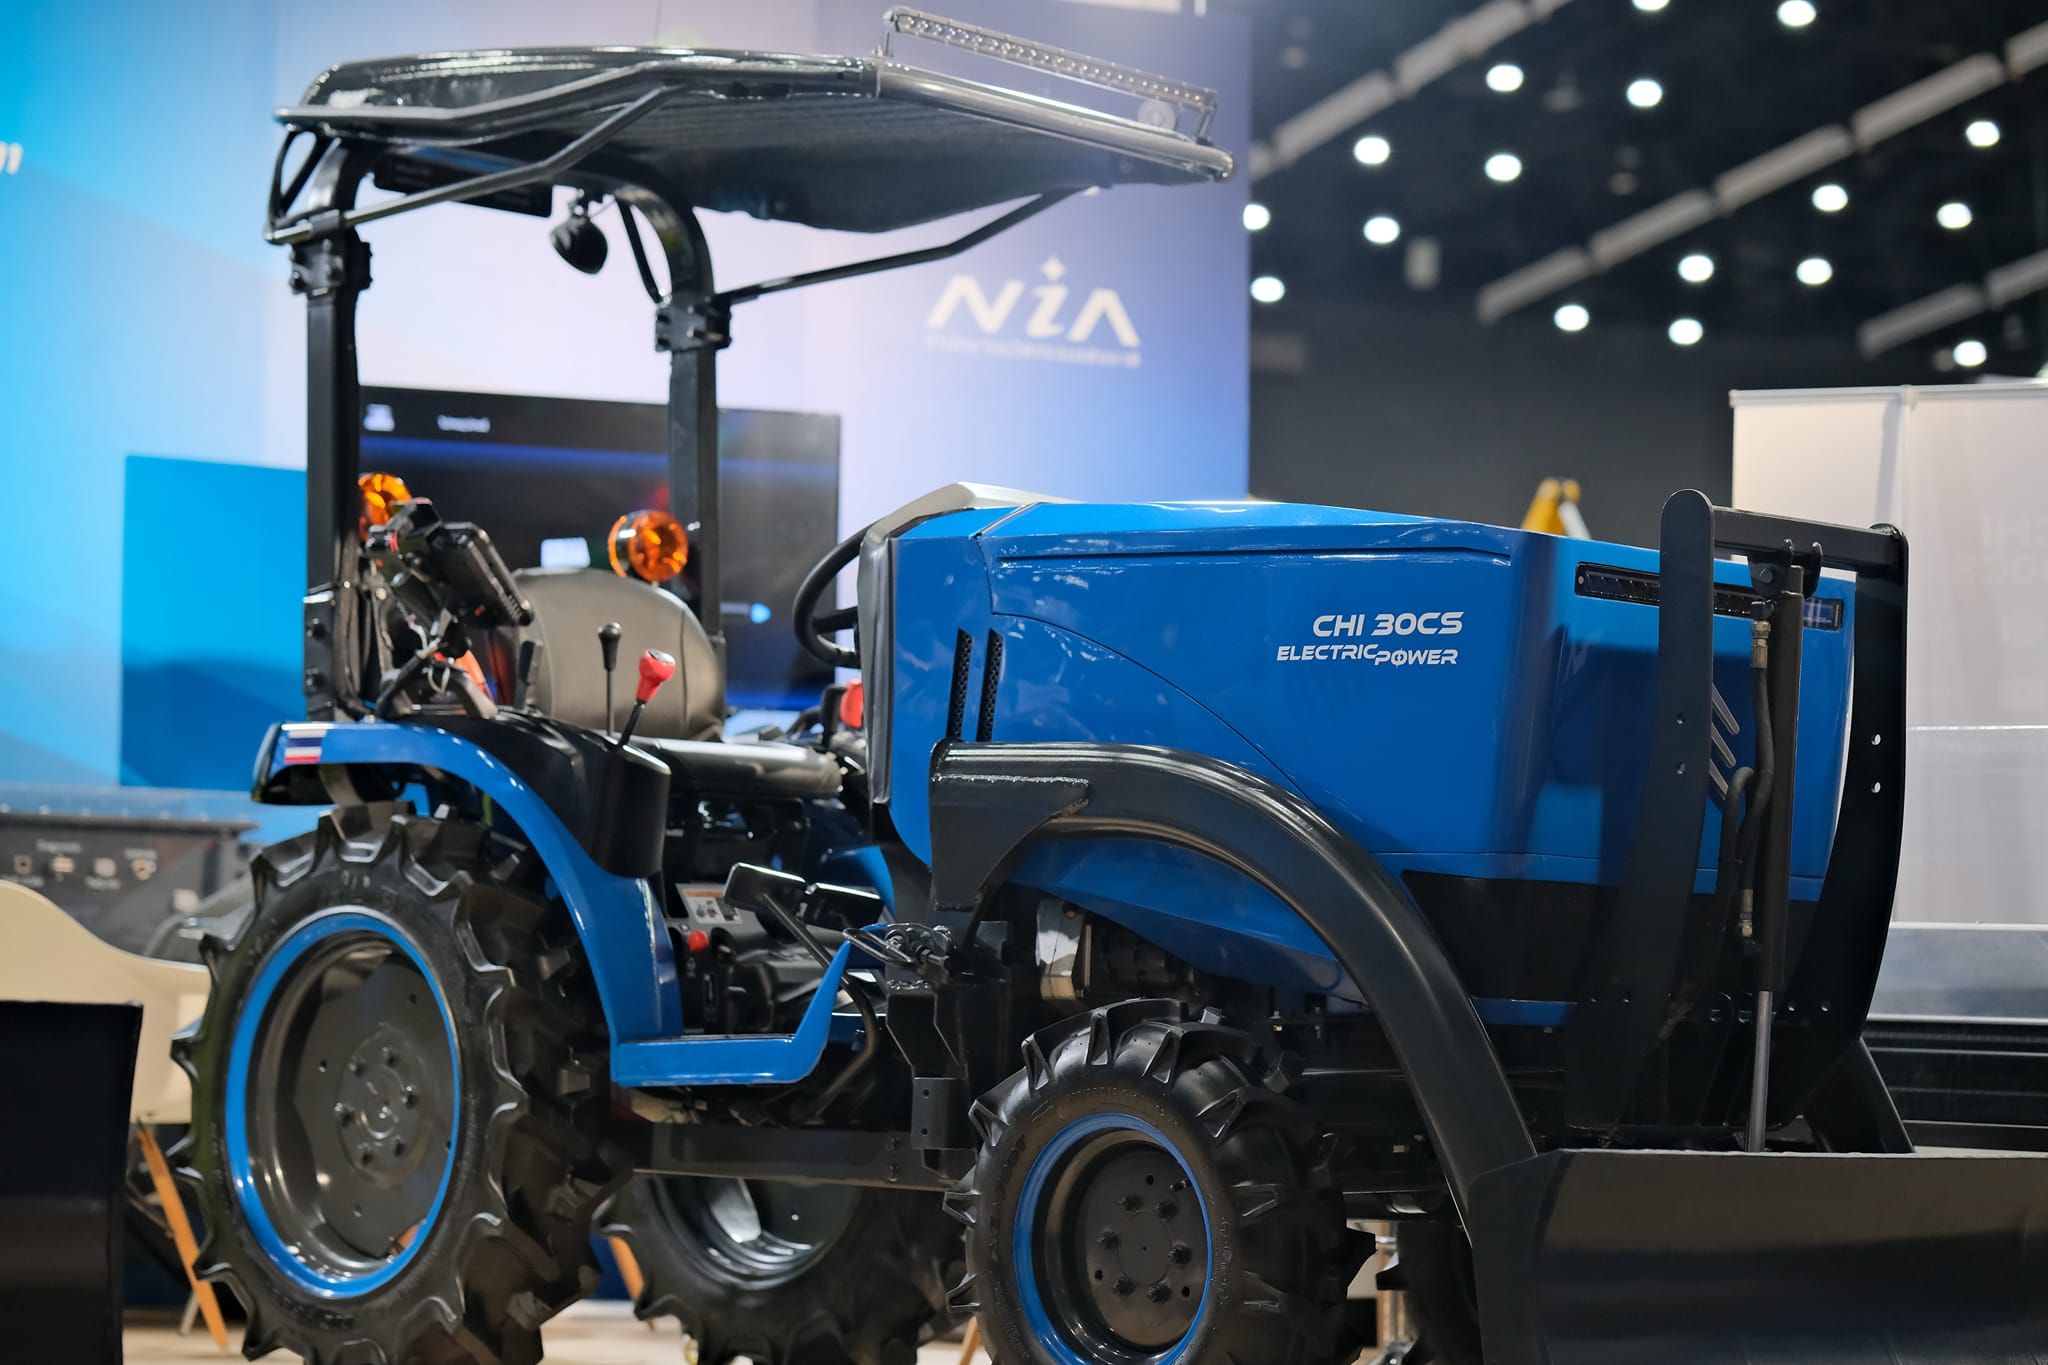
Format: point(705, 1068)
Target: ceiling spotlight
point(1372, 150)
point(1571, 317)
point(1815, 271)
point(1797, 13)
point(1685, 332)
point(1982, 133)
point(1504, 79)
point(579, 241)
point(1954, 215)
point(1256, 217)
point(1268, 289)
point(1503, 167)
point(1651, 6)
point(1381, 230)
point(1697, 268)
point(1645, 93)
point(1970, 354)
point(1830, 198)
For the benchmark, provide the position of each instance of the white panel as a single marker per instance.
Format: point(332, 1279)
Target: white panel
point(1819, 455)
point(1976, 510)
point(1964, 472)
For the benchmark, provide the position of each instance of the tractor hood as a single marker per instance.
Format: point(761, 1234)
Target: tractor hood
point(1464, 700)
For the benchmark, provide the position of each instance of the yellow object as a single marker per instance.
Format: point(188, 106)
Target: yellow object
point(381, 495)
point(650, 545)
point(180, 1224)
point(1555, 510)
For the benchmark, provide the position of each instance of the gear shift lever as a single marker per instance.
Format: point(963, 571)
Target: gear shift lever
point(608, 641)
point(656, 668)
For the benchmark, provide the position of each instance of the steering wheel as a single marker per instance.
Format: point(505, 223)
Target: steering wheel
point(815, 629)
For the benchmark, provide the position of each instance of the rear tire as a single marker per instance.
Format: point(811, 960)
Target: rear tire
point(1139, 1198)
point(787, 1274)
point(400, 1018)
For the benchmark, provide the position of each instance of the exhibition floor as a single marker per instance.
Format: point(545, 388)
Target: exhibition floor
point(594, 1333)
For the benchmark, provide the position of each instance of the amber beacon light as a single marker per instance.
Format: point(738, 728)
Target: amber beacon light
point(650, 545)
point(381, 495)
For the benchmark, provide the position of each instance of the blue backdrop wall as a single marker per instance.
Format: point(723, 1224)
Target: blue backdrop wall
point(154, 357)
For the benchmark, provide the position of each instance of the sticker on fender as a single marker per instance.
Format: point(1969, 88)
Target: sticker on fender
point(1370, 653)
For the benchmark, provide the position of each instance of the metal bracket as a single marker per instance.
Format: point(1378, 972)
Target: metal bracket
point(1629, 985)
point(979, 824)
point(544, 171)
point(701, 325)
point(832, 1156)
point(327, 265)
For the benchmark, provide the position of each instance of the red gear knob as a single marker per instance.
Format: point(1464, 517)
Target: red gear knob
point(656, 668)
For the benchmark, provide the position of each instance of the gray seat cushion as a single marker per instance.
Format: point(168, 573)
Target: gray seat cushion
point(569, 605)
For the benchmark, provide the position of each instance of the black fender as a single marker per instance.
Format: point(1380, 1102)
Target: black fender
point(990, 801)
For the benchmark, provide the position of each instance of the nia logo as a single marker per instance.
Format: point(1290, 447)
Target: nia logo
point(1052, 320)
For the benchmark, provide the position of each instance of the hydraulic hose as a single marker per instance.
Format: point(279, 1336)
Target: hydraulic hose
point(1741, 829)
point(1766, 764)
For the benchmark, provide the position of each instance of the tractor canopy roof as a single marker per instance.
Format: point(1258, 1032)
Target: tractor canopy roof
point(862, 144)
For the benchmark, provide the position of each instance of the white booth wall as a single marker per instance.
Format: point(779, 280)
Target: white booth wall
point(1963, 471)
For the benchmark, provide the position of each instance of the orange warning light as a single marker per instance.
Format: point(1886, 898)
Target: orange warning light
point(650, 545)
point(381, 495)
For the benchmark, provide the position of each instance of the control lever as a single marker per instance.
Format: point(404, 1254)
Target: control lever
point(529, 667)
point(608, 641)
point(656, 668)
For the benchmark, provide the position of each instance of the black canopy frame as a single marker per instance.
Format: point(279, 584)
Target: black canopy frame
point(859, 144)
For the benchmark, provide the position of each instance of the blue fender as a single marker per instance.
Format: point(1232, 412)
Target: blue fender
point(618, 918)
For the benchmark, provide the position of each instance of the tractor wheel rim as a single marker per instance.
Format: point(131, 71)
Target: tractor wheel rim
point(343, 1102)
point(1112, 1244)
point(759, 1230)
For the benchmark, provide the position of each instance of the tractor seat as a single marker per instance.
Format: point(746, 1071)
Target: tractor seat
point(569, 605)
point(684, 724)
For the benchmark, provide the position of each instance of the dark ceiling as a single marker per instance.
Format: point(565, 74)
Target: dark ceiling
point(1736, 83)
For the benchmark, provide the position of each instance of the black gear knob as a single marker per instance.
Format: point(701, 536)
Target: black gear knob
point(608, 641)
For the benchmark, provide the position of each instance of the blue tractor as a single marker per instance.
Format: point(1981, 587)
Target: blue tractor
point(1181, 887)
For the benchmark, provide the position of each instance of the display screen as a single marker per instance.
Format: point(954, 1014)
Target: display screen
point(547, 477)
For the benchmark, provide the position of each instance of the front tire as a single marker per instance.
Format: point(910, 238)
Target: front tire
point(1140, 1199)
point(399, 1091)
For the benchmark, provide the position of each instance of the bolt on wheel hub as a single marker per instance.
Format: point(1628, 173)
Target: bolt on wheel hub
point(1144, 1255)
point(1114, 1242)
point(377, 1109)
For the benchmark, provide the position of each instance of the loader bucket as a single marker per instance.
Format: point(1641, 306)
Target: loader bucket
point(1692, 1258)
point(66, 1070)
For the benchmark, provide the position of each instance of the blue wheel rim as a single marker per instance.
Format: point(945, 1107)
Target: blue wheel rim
point(321, 939)
point(1057, 1338)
